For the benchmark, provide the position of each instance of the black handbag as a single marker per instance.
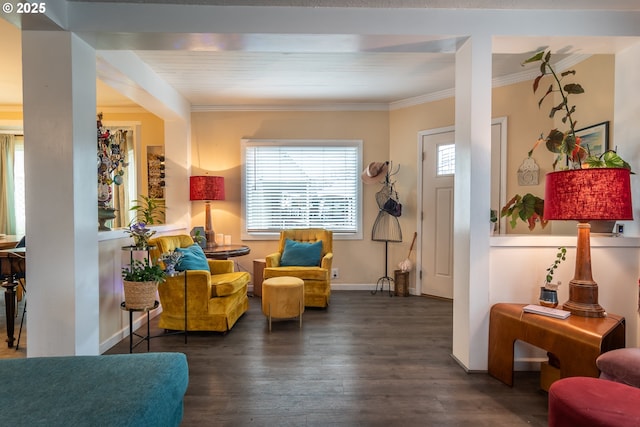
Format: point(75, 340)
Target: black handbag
point(392, 207)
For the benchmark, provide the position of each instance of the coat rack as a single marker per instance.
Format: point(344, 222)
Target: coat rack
point(386, 228)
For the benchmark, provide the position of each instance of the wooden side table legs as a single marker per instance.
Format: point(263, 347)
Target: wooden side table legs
point(10, 308)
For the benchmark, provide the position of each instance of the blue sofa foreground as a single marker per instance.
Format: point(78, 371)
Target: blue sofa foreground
point(144, 389)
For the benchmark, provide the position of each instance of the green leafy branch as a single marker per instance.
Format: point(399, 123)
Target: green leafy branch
point(143, 271)
point(608, 159)
point(561, 143)
point(528, 208)
point(560, 256)
point(148, 210)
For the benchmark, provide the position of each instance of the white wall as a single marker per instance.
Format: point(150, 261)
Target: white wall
point(114, 322)
point(518, 266)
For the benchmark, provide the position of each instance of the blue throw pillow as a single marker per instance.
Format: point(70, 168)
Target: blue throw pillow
point(301, 254)
point(193, 258)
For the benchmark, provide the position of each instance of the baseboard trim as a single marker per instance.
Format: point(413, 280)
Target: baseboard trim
point(350, 287)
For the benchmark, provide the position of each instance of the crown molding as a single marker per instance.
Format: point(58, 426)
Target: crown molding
point(422, 99)
point(123, 110)
point(523, 76)
point(311, 107)
point(562, 65)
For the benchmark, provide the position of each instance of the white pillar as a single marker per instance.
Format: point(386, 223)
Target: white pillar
point(59, 90)
point(472, 201)
point(626, 129)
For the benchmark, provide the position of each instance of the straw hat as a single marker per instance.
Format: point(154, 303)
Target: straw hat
point(374, 173)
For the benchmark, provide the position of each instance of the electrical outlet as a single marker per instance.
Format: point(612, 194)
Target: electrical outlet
point(334, 273)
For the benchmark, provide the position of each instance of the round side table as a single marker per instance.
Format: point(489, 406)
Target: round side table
point(143, 338)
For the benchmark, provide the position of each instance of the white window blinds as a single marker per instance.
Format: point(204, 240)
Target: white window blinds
point(299, 184)
point(446, 159)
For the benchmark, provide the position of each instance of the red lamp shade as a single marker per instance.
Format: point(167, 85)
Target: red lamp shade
point(588, 194)
point(206, 188)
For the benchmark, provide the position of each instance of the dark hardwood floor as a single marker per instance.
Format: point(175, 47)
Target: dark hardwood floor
point(368, 360)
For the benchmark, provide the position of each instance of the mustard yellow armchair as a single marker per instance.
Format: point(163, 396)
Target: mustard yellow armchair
point(317, 279)
point(215, 299)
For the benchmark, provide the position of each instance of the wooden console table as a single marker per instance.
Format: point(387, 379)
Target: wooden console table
point(575, 341)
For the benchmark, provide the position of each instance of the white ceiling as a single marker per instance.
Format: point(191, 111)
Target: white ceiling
point(296, 70)
point(283, 70)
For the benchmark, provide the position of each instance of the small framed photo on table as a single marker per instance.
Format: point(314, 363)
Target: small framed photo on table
point(595, 139)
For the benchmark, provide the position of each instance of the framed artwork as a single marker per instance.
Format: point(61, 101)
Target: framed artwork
point(595, 139)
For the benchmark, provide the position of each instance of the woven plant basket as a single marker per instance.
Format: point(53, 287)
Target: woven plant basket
point(139, 295)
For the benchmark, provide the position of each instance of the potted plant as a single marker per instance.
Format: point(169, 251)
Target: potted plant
point(530, 208)
point(148, 210)
point(549, 292)
point(140, 234)
point(567, 144)
point(198, 236)
point(170, 260)
point(140, 283)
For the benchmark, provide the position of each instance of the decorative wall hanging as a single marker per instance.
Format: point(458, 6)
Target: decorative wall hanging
point(155, 172)
point(528, 172)
point(111, 164)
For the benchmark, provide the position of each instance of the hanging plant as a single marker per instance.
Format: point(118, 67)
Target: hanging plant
point(567, 144)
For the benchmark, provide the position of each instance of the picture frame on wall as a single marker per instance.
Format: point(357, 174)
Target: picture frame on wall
point(595, 138)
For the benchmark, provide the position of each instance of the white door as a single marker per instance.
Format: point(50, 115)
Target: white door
point(436, 225)
point(438, 164)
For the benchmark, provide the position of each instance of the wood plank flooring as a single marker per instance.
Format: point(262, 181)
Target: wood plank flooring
point(368, 360)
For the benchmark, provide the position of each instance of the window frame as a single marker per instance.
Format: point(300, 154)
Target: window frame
point(274, 235)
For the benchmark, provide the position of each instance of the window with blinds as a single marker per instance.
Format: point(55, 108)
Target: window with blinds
point(446, 160)
point(301, 184)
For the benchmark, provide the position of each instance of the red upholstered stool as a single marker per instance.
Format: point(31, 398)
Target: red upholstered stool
point(621, 365)
point(593, 402)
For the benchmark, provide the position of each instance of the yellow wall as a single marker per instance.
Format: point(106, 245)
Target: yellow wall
point(152, 133)
point(405, 124)
point(216, 150)
point(526, 122)
point(519, 104)
point(10, 115)
point(387, 136)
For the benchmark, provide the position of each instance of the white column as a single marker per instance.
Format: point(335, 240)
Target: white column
point(472, 201)
point(59, 87)
point(626, 129)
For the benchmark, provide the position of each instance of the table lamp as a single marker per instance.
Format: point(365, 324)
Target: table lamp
point(207, 188)
point(585, 195)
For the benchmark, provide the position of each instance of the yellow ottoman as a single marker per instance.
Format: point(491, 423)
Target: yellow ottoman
point(283, 298)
